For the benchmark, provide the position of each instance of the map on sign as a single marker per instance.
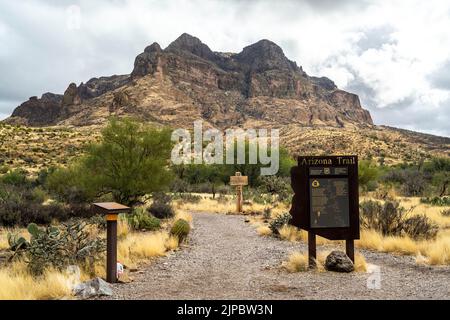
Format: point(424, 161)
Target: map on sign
point(329, 201)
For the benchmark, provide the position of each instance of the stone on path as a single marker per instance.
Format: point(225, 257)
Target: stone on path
point(338, 261)
point(93, 288)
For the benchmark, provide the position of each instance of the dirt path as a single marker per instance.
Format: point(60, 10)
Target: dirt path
point(226, 259)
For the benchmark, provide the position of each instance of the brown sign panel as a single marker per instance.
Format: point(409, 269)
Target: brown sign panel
point(239, 180)
point(326, 199)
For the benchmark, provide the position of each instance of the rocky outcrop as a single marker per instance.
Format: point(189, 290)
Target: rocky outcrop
point(39, 112)
point(188, 80)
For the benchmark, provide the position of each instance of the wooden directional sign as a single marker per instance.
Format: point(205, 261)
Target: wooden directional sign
point(326, 200)
point(238, 180)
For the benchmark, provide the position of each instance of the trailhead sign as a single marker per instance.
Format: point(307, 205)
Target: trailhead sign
point(326, 199)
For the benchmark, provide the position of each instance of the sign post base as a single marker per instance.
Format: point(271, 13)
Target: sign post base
point(312, 252)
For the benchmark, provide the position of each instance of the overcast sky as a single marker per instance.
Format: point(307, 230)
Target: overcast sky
point(394, 54)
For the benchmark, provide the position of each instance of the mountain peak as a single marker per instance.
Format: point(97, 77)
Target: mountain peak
point(265, 55)
point(191, 44)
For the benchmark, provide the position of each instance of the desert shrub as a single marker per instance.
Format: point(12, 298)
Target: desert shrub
point(58, 247)
point(391, 220)
point(98, 220)
point(445, 213)
point(386, 218)
point(414, 184)
point(281, 220)
point(436, 201)
point(267, 212)
point(189, 197)
point(275, 185)
point(16, 177)
point(161, 210)
point(161, 207)
point(4, 169)
point(222, 199)
point(179, 186)
point(180, 229)
point(420, 227)
point(141, 220)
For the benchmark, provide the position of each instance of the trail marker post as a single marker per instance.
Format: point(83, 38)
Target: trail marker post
point(239, 181)
point(326, 200)
point(111, 210)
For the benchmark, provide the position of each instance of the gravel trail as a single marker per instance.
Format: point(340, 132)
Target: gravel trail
point(227, 259)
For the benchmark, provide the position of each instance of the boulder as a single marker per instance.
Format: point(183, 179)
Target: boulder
point(93, 288)
point(338, 261)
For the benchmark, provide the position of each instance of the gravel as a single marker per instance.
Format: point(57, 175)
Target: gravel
point(226, 259)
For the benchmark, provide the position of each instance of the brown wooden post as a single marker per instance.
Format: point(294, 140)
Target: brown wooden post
point(350, 249)
point(312, 250)
point(238, 180)
point(111, 210)
point(239, 198)
point(111, 248)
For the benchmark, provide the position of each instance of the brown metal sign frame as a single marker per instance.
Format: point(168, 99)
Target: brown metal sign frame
point(329, 167)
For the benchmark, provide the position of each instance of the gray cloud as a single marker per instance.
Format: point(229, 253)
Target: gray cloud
point(441, 77)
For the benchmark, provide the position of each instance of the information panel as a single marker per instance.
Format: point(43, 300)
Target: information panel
point(329, 202)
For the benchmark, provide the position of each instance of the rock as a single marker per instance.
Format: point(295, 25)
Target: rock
point(93, 288)
point(71, 96)
point(338, 261)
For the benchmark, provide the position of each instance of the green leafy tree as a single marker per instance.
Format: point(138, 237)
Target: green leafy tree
point(130, 161)
point(367, 173)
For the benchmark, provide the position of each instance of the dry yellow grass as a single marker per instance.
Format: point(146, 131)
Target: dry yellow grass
point(3, 240)
point(183, 215)
point(297, 262)
point(18, 284)
point(264, 231)
point(228, 206)
point(434, 252)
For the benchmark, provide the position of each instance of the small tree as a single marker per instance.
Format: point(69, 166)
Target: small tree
point(367, 173)
point(130, 161)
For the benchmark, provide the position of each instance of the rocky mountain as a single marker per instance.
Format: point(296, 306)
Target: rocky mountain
point(187, 81)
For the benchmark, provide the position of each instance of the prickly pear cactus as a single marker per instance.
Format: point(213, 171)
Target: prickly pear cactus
point(33, 229)
point(16, 242)
point(180, 229)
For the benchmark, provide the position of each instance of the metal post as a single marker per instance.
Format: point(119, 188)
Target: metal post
point(312, 250)
point(111, 248)
point(350, 249)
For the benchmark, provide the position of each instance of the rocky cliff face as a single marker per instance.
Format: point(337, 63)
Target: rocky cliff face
point(187, 81)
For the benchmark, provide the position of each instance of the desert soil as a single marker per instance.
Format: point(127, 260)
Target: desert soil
point(226, 259)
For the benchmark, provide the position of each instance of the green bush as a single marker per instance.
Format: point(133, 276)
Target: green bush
point(281, 220)
point(436, 201)
point(275, 185)
point(180, 229)
point(367, 174)
point(16, 177)
point(141, 220)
